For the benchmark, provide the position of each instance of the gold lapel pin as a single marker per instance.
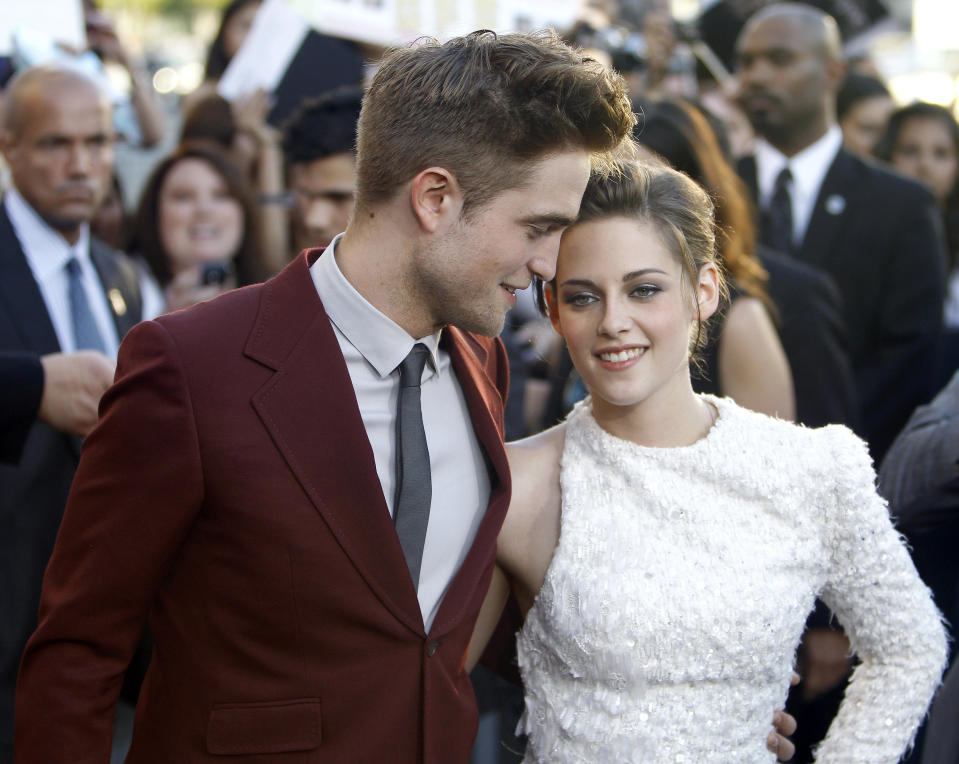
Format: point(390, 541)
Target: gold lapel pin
point(117, 302)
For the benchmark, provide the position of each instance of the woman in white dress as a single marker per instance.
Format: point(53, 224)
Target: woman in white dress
point(666, 547)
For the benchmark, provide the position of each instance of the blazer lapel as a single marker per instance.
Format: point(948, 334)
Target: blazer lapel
point(486, 412)
point(21, 295)
point(119, 285)
point(310, 409)
point(836, 198)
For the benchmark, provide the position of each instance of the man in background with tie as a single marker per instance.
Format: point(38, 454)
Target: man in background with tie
point(875, 233)
point(65, 303)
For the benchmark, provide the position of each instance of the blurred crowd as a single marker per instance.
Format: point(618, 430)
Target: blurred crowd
point(838, 212)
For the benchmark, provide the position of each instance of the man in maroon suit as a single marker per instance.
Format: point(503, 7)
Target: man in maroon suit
point(310, 585)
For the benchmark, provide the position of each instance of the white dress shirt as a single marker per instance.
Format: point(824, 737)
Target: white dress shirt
point(808, 168)
point(47, 253)
point(374, 346)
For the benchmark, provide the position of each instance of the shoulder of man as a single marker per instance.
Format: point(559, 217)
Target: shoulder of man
point(879, 179)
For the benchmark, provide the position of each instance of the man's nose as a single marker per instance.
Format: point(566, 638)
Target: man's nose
point(751, 73)
point(80, 160)
point(543, 261)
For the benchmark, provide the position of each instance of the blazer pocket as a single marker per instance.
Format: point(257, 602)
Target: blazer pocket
point(276, 727)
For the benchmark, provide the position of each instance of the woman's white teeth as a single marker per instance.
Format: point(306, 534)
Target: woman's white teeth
point(622, 355)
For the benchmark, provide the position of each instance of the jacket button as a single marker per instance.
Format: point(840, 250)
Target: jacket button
point(431, 648)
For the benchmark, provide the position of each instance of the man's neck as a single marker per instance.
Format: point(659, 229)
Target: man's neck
point(71, 234)
point(374, 257)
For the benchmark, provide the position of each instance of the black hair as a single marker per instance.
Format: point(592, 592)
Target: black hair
point(323, 126)
point(858, 87)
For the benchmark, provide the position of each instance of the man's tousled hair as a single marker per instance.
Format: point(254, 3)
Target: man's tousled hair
point(484, 107)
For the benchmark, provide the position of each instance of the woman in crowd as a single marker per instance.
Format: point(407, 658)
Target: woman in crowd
point(235, 25)
point(193, 226)
point(863, 106)
point(745, 361)
point(665, 547)
point(255, 148)
point(922, 141)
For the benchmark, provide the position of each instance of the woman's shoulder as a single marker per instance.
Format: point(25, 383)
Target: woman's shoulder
point(755, 431)
point(534, 461)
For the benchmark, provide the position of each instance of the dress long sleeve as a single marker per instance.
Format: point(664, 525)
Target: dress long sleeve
point(888, 613)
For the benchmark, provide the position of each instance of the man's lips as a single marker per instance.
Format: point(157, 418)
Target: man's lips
point(513, 288)
point(759, 101)
point(77, 193)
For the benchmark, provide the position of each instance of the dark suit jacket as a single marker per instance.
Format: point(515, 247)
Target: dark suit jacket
point(21, 388)
point(230, 492)
point(942, 733)
point(813, 336)
point(39, 462)
point(879, 236)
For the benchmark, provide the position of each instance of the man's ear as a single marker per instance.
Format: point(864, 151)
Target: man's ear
point(836, 72)
point(6, 141)
point(435, 198)
point(550, 294)
point(707, 291)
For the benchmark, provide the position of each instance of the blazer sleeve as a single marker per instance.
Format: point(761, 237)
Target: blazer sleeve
point(21, 386)
point(899, 376)
point(888, 613)
point(137, 490)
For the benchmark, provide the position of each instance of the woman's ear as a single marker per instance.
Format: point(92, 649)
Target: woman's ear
point(550, 294)
point(707, 291)
point(435, 198)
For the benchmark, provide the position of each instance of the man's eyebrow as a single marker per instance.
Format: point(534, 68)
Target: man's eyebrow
point(769, 50)
point(562, 221)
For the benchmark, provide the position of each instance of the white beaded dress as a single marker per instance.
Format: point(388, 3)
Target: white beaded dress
point(668, 622)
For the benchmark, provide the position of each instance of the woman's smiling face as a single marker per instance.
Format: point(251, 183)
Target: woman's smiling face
point(622, 305)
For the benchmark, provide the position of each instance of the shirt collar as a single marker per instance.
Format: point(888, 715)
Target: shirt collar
point(45, 249)
point(380, 340)
point(808, 167)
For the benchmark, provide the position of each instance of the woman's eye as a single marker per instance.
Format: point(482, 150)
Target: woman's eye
point(646, 290)
point(580, 300)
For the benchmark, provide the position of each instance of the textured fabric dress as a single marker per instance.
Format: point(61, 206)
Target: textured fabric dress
point(670, 615)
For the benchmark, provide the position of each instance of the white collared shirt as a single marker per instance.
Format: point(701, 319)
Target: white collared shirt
point(47, 253)
point(374, 346)
point(808, 168)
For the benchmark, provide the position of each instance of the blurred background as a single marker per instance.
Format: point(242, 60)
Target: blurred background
point(910, 44)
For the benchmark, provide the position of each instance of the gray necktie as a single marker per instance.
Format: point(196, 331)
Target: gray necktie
point(414, 488)
point(86, 335)
point(778, 228)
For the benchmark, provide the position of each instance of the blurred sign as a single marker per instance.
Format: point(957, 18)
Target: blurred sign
point(391, 22)
point(58, 20)
point(284, 56)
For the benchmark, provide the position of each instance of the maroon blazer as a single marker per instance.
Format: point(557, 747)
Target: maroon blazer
point(229, 493)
